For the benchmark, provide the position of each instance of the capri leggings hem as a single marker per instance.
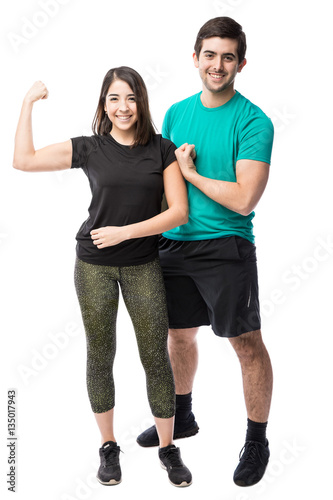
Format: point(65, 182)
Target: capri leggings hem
point(98, 411)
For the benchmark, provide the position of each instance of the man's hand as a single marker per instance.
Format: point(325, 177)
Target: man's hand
point(185, 155)
point(108, 236)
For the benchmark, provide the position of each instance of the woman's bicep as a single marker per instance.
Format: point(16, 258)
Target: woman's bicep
point(51, 158)
point(174, 185)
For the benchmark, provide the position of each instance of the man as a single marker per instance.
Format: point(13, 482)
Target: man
point(209, 264)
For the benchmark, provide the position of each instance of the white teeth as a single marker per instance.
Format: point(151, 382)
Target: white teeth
point(123, 118)
point(216, 77)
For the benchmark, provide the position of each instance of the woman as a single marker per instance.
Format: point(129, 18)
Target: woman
point(128, 166)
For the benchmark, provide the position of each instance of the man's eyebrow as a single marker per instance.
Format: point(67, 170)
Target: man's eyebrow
point(224, 54)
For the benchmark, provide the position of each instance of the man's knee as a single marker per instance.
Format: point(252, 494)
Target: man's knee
point(249, 345)
point(182, 337)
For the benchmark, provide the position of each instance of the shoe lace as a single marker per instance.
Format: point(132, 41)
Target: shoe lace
point(172, 455)
point(251, 452)
point(111, 455)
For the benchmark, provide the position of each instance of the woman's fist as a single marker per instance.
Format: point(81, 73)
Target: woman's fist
point(37, 91)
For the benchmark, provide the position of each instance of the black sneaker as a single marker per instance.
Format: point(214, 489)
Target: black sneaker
point(109, 472)
point(182, 429)
point(253, 458)
point(178, 473)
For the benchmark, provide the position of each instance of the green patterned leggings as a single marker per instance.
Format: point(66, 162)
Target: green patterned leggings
point(143, 292)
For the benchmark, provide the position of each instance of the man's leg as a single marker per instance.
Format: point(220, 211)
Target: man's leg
point(183, 351)
point(257, 374)
point(257, 383)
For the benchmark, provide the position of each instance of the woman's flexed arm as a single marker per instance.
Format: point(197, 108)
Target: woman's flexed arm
point(54, 157)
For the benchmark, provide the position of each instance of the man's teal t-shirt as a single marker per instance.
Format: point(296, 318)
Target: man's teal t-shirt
point(237, 130)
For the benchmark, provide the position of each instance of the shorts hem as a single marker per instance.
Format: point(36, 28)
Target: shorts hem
point(235, 335)
point(182, 327)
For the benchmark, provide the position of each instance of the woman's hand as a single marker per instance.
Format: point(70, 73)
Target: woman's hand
point(185, 155)
point(108, 236)
point(37, 91)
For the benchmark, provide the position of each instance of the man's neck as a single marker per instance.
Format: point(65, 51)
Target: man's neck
point(214, 100)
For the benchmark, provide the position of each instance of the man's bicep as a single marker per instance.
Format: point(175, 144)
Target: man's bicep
point(252, 176)
point(252, 172)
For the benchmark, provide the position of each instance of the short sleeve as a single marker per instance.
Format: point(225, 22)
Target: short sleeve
point(79, 155)
point(168, 152)
point(256, 140)
point(82, 147)
point(165, 125)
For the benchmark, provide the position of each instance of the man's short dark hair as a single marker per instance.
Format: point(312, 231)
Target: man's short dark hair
point(223, 27)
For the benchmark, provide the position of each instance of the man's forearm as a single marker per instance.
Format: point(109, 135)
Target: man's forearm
point(229, 194)
point(241, 196)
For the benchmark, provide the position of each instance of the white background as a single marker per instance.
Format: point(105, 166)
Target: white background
point(70, 47)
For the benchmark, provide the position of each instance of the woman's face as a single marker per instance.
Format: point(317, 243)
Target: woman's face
point(120, 105)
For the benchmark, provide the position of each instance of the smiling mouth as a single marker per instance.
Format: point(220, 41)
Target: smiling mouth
point(216, 76)
point(124, 118)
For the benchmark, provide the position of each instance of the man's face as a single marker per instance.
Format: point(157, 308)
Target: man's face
point(218, 63)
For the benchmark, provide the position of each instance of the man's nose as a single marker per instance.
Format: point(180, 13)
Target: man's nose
point(219, 64)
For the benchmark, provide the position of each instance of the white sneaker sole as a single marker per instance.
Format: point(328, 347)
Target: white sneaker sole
point(182, 485)
point(112, 482)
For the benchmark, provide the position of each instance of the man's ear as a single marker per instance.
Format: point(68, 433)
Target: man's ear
point(195, 60)
point(241, 66)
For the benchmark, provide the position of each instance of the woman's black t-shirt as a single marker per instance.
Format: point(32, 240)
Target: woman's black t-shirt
point(127, 187)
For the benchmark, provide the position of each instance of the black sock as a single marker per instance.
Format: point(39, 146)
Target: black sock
point(183, 406)
point(256, 431)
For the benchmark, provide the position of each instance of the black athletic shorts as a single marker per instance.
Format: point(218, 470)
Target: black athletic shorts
point(211, 282)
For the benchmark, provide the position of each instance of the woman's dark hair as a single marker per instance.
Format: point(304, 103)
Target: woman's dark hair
point(145, 128)
point(223, 27)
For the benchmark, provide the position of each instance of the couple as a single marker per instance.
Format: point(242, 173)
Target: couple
point(212, 163)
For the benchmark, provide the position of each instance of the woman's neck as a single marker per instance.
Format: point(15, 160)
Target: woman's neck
point(126, 138)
